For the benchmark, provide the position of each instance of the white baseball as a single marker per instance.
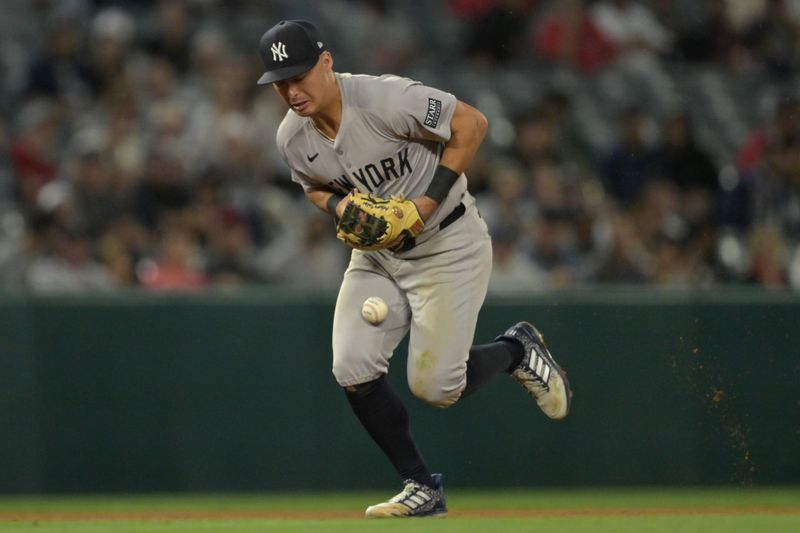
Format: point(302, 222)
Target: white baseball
point(374, 310)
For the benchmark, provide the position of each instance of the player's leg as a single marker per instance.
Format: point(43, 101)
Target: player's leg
point(361, 351)
point(361, 354)
point(446, 285)
point(445, 301)
point(445, 313)
point(487, 360)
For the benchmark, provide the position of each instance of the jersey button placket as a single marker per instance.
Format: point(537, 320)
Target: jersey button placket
point(339, 154)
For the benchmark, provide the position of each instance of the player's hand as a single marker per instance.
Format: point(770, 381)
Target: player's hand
point(341, 205)
point(425, 205)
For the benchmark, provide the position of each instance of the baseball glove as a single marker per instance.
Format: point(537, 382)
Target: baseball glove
point(370, 223)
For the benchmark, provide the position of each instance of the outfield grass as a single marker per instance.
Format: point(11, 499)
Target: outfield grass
point(640, 510)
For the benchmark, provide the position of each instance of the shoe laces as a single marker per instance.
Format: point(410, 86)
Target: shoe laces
point(533, 376)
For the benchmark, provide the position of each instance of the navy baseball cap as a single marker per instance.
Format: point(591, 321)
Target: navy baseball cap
point(288, 49)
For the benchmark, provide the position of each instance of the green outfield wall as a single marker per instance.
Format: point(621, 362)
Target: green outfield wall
point(233, 391)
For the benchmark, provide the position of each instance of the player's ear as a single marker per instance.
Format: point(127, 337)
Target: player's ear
point(327, 59)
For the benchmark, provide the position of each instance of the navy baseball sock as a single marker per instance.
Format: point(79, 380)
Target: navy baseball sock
point(383, 415)
point(488, 360)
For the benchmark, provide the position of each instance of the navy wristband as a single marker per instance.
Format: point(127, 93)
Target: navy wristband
point(333, 201)
point(442, 182)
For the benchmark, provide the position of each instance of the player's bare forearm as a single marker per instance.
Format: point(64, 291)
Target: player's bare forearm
point(321, 198)
point(425, 205)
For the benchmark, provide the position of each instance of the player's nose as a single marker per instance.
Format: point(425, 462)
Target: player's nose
point(293, 89)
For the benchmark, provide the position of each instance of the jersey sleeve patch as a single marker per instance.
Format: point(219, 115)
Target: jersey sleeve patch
point(434, 111)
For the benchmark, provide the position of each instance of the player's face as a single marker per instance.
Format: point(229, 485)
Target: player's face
point(308, 93)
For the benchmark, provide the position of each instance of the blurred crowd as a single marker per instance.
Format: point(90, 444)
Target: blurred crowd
point(136, 149)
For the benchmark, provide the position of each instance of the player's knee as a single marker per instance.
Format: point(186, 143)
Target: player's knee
point(350, 371)
point(435, 396)
point(340, 372)
point(435, 384)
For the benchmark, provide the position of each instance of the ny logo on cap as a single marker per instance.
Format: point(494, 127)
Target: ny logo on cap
point(279, 51)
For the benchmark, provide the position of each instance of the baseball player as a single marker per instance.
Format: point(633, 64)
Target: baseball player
point(387, 152)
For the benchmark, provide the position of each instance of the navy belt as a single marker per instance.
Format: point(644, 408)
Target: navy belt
point(454, 215)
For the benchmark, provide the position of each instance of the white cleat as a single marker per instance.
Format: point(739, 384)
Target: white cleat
point(539, 373)
point(416, 500)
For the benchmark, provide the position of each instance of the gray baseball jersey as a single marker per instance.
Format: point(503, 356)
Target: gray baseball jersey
point(390, 141)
